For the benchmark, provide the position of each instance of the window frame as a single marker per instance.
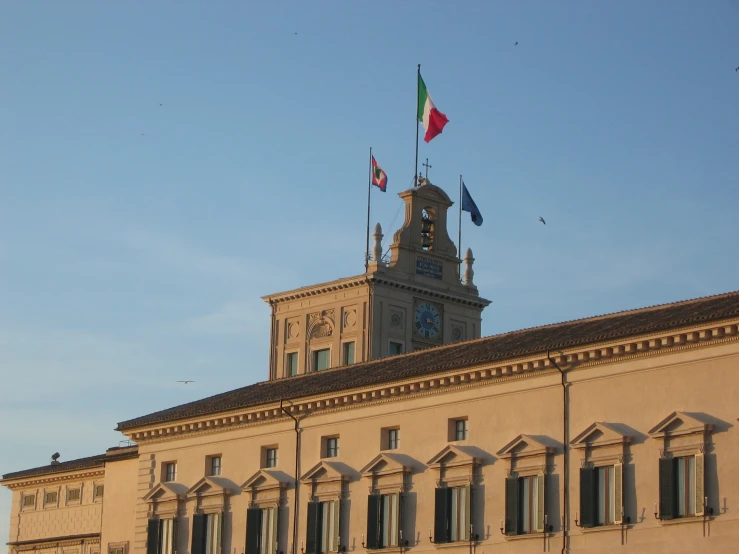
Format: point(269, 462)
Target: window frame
point(344, 346)
point(330, 447)
point(214, 468)
point(271, 461)
point(398, 342)
point(314, 357)
point(292, 354)
point(393, 438)
point(25, 505)
point(166, 476)
point(51, 503)
point(70, 490)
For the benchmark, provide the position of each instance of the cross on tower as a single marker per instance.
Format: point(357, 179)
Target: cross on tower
point(427, 166)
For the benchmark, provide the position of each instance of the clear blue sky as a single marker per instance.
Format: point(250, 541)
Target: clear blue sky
point(128, 261)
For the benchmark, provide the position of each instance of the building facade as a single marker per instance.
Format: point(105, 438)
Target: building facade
point(615, 433)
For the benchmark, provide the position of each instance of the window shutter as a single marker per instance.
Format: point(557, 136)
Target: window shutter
point(373, 515)
point(511, 506)
point(273, 547)
point(337, 524)
point(540, 503)
point(401, 514)
point(618, 493)
point(253, 525)
point(667, 488)
point(588, 495)
point(199, 521)
point(152, 537)
point(175, 534)
point(313, 535)
point(441, 515)
point(465, 533)
point(700, 483)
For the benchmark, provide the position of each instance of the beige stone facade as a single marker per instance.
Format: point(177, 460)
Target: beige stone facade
point(610, 434)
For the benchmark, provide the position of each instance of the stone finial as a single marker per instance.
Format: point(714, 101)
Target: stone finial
point(377, 250)
point(469, 273)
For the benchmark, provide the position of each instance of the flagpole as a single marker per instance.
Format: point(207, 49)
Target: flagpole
point(459, 242)
point(415, 172)
point(369, 189)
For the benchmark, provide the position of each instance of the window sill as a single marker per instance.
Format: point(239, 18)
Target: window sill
point(689, 519)
point(387, 549)
point(538, 535)
point(599, 528)
point(454, 544)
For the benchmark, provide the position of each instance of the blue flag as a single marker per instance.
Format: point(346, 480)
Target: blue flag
point(468, 205)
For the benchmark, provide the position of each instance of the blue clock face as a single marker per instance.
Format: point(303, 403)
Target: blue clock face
point(427, 320)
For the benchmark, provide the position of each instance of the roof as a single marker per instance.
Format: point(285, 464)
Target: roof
point(444, 358)
point(99, 460)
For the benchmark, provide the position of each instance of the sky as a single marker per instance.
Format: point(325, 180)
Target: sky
point(165, 164)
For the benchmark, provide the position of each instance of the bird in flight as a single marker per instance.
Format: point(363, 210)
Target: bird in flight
point(516, 44)
point(542, 220)
point(185, 382)
point(737, 69)
point(160, 104)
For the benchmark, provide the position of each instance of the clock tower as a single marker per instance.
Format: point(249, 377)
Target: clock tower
point(419, 299)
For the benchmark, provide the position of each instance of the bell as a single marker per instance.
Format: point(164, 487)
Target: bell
point(426, 225)
point(426, 241)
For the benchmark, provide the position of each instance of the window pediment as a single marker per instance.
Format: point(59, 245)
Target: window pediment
point(681, 423)
point(600, 434)
point(208, 486)
point(526, 446)
point(453, 456)
point(384, 464)
point(325, 472)
point(264, 480)
point(165, 492)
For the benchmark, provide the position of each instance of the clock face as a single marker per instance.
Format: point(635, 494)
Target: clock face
point(427, 320)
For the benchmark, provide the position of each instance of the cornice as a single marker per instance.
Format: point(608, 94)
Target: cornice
point(321, 288)
point(502, 371)
point(23, 482)
point(471, 300)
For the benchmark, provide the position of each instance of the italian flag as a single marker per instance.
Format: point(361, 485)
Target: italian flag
point(433, 120)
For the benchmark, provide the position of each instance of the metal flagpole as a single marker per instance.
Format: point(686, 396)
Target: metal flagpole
point(369, 190)
point(418, 79)
point(459, 242)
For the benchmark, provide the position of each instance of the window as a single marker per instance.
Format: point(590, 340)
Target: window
point(393, 439)
point(681, 486)
point(395, 348)
point(452, 517)
point(292, 364)
point(321, 359)
point(29, 500)
point(383, 517)
point(458, 429)
point(348, 353)
point(322, 534)
point(601, 495)
point(50, 499)
point(206, 534)
point(116, 550)
point(73, 495)
point(98, 491)
point(271, 457)
point(332, 447)
point(162, 536)
point(215, 465)
point(170, 472)
point(524, 505)
point(261, 531)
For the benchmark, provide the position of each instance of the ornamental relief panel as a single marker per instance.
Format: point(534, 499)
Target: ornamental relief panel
point(321, 324)
point(350, 318)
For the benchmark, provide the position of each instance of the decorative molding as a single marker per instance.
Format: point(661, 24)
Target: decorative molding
point(502, 371)
point(607, 436)
point(53, 478)
point(680, 424)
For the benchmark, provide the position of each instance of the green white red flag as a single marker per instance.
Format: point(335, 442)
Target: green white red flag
point(432, 119)
point(379, 177)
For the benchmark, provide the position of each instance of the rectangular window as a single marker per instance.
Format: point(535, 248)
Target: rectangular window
point(322, 530)
point(73, 495)
point(601, 494)
point(292, 364)
point(170, 471)
point(213, 534)
point(29, 500)
point(524, 505)
point(261, 531)
point(395, 348)
point(383, 516)
point(116, 550)
point(332, 447)
point(321, 359)
point(99, 491)
point(215, 465)
point(685, 480)
point(528, 494)
point(393, 439)
point(50, 498)
point(348, 354)
point(271, 457)
point(167, 536)
point(460, 430)
point(452, 515)
point(606, 509)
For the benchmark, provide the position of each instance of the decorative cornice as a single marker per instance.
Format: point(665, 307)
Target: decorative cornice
point(69, 540)
point(24, 482)
point(502, 371)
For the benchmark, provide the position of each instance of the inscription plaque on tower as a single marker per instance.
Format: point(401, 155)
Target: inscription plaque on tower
point(428, 267)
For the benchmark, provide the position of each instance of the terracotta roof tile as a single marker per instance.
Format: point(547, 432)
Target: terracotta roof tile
point(61, 467)
point(489, 349)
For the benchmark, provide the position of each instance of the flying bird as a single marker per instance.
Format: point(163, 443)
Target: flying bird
point(160, 104)
point(185, 382)
point(516, 44)
point(542, 220)
point(737, 69)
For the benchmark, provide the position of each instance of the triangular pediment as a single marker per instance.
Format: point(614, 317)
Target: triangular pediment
point(452, 455)
point(166, 491)
point(324, 471)
point(208, 486)
point(523, 446)
point(384, 464)
point(265, 479)
point(599, 434)
point(681, 423)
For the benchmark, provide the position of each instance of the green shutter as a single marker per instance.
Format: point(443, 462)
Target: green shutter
point(442, 501)
point(667, 487)
point(511, 506)
point(700, 484)
point(618, 493)
point(199, 521)
point(373, 516)
point(152, 537)
point(313, 531)
point(540, 489)
point(588, 495)
point(253, 527)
